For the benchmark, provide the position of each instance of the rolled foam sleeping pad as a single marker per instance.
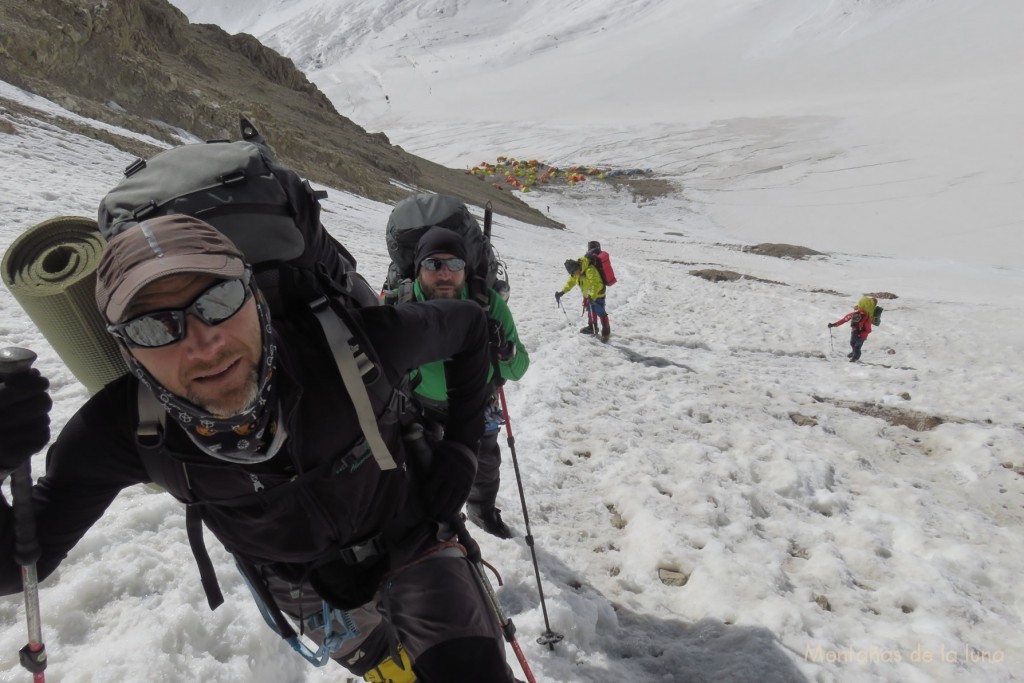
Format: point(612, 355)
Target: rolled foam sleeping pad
point(51, 271)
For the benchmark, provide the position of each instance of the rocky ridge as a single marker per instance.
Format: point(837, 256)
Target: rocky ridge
point(141, 65)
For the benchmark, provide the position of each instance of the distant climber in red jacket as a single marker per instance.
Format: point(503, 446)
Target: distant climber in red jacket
point(860, 324)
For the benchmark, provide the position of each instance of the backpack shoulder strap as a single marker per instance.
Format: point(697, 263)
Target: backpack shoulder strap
point(172, 476)
point(354, 364)
point(149, 440)
point(150, 429)
point(207, 575)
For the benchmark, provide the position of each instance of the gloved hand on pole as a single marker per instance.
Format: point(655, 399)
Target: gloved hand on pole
point(24, 416)
point(447, 480)
point(503, 346)
point(24, 430)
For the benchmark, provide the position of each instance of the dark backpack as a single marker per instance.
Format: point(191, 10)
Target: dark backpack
point(414, 215)
point(273, 216)
point(603, 263)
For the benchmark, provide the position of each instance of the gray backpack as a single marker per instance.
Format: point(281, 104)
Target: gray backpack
point(267, 209)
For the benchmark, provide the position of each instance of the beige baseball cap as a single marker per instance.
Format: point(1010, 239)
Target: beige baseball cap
point(157, 248)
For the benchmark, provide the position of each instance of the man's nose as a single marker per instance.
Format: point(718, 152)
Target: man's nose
point(202, 339)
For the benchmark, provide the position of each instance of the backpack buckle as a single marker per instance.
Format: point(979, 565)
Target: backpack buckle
point(134, 167)
point(140, 213)
point(363, 362)
point(360, 552)
point(149, 435)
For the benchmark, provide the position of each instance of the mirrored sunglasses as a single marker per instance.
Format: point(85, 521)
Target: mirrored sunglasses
point(161, 328)
point(453, 264)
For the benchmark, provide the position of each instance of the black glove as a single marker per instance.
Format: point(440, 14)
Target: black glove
point(447, 483)
point(505, 347)
point(831, 324)
point(558, 297)
point(24, 419)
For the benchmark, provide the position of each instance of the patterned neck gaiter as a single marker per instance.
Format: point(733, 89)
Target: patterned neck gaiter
point(252, 436)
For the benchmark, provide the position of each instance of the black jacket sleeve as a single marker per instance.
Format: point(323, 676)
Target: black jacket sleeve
point(93, 458)
point(409, 335)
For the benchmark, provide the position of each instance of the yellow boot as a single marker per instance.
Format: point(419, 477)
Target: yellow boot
point(390, 672)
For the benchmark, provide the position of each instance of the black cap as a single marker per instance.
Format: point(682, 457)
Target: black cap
point(593, 245)
point(439, 240)
point(572, 265)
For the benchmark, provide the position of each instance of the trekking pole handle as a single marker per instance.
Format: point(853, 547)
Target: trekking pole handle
point(15, 361)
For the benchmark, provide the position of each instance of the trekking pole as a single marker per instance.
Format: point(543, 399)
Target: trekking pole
point(421, 454)
point(508, 629)
point(831, 346)
point(14, 361)
point(549, 637)
point(567, 321)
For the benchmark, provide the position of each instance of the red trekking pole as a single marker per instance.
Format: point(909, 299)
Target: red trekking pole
point(508, 629)
point(422, 454)
point(549, 637)
point(14, 361)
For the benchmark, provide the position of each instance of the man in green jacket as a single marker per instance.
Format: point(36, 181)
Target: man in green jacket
point(441, 263)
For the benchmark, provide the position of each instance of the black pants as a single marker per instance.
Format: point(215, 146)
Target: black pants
point(856, 341)
point(488, 471)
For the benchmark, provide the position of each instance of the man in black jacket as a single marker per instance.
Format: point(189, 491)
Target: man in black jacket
point(262, 438)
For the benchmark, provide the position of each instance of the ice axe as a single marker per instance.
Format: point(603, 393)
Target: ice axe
point(15, 361)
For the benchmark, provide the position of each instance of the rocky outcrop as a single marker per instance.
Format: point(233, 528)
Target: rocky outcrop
point(141, 65)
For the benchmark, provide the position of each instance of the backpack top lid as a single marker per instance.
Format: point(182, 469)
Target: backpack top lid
point(867, 304)
point(226, 184)
point(270, 213)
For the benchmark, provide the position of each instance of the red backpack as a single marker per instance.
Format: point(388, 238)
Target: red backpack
point(603, 262)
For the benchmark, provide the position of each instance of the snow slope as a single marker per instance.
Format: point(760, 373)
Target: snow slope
point(716, 439)
point(831, 122)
